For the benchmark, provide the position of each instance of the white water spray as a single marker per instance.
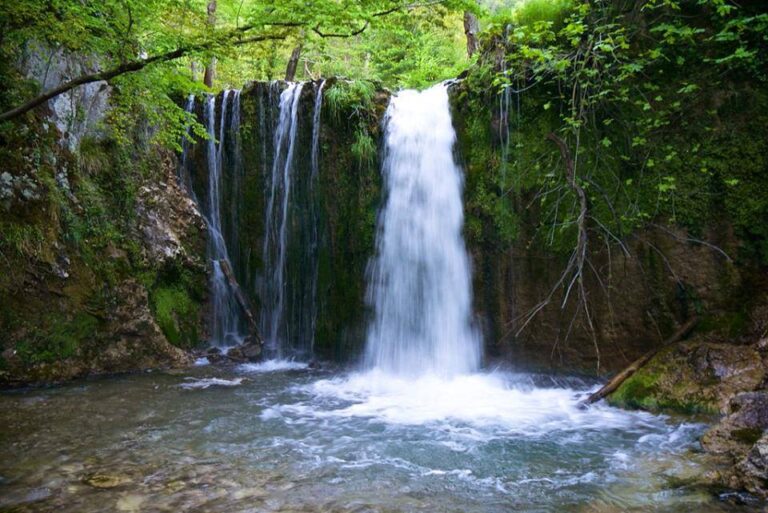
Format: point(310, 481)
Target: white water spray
point(420, 281)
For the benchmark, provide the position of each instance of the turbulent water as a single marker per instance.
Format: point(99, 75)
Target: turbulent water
point(420, 282)
point(278, 437)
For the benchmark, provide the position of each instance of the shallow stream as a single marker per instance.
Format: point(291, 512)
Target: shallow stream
point(280, 437)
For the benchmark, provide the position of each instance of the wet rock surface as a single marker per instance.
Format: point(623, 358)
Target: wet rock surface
point(744, 424)
point(717, 378)
point(693, 377)
point(751, 472)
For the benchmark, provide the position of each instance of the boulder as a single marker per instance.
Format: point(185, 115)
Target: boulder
point(251, 349)
point(693, 376)
point(751, 473)
point(743, 426)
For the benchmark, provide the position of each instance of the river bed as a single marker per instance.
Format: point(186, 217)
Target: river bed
point(280, 437)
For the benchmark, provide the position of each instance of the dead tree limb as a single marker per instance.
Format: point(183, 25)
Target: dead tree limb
point(239, 296)
point(622, 376)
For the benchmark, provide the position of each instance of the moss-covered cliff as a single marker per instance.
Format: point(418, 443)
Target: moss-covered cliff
point(100, 257)
point(336, 211)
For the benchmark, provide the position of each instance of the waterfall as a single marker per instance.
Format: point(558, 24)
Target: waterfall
point(314, 213)
point(316, 129)
point(235, 191)
point(183, 177)
point(419, 285)
point(276, 222)
point(225, 313)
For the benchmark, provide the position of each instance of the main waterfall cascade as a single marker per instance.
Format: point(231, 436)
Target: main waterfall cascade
point(420, 285)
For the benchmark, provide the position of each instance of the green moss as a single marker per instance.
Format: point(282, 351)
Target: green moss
point(747, 435)
point(729, 324)
point(176, 314)
point(58, 339)
point(660, 386)
point(637, 392)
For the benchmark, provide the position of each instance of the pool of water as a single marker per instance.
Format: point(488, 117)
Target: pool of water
point(280, 437)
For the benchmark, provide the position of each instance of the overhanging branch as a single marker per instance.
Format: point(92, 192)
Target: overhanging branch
point(131, 67)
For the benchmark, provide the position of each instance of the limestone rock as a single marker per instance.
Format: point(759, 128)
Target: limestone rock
point(169, 222)
point(138, 341)
point(752, 471)
point(77, 113)
point(742, 427)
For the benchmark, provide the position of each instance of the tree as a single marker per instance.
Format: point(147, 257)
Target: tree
point(471, 29)
point(120, 31)
point(210, 69)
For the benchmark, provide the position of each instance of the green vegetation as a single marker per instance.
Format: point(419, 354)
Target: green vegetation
point(58, 339)
point(176, 314)
point(347, 98)
point(655, 118)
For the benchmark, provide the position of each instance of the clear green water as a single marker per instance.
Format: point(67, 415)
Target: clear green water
point(311, 441)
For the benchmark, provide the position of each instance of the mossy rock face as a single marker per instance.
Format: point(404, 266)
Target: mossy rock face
point(692, 377)
point(79, 260)
point(59, 339)
point(176, 314)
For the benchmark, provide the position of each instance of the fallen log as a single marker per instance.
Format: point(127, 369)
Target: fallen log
point(622, 376)
point(239, 296)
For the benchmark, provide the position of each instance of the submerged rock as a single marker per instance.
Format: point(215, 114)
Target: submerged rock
point(105, 481)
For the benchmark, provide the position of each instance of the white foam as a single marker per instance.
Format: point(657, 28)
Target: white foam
point(210, 382)
point(473, 401)
point(202, 361)
point(272, 366)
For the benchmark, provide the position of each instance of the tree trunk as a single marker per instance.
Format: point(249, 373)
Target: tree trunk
point(293, 63)
point(471, 28)
point(210, 69)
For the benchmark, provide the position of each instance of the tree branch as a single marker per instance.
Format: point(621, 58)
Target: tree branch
point(131, 67)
